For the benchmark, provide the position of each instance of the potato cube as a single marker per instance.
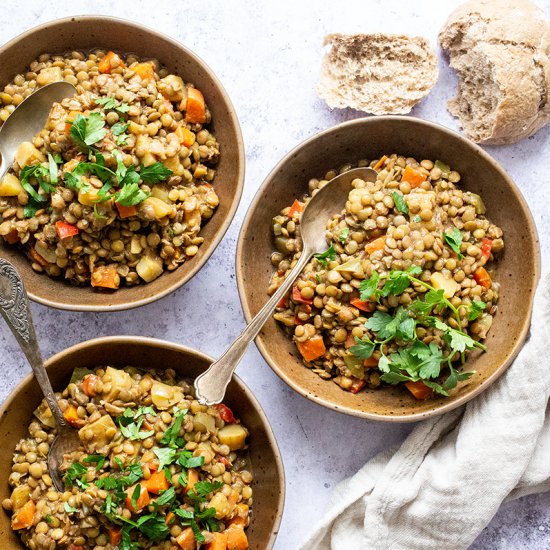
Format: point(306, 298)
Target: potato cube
point(49, 75)
point(149, 268)
point(27, 154)
point(233, 435)
point(10, 186)
point(165, 396)
point(450, 286)
point(97, 435)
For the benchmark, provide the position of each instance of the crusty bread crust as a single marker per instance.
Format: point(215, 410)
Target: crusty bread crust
point(377, 73)
point(500, 50)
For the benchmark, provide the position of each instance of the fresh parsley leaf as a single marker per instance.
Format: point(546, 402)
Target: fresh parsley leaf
point(476, 308)
point(127, 543)
point(187, 460)
point(400, 203)
point(325, 257)
point(398, 281)
point(136, 493)
point(363, 348)
point(344, 233)
point(130, 194)
point(31, 208)
point(85, 131)
point(369, 287)
point(203, 488)
point(153, 526)
point(122, 140)
point(123, 108)
point(433, 299)
point(167, 497)
point(49, 519)
point(98, 460)
point(25, 174)
point(154, 173)
point(68, 508)
point(74, 474)
point(457, 340)
point(387, 327)
point(108, 483)
point(454, 240)
point(107, 102)
point(132, 431)
point(171, 436)
point(166, 456)
point(52, 166)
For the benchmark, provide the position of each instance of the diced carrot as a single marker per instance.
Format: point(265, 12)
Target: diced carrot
point(24, 517)
point(350, 341)
point(142, 501)
point(37, 258)
point(69, 121)
point(219, 542)
point(357, 385)
point(282, 302)
point(370, 362)
point(241, 516)
point(115, 535)
point(375, 245)
point(104, 65)
point(106, 276)
point(156, 483)
point(313, 348)
point(363, 305)
point(482, 277)
point(486, 246)
point(71, 416)
point(192, 478)
point(226, 414)
point(380, 163)
point(236, 538)
point(12, 237)
point(126, 211)
point(296, 208)
point(419, 389)
point(186, 539)
point(170, 516)
point(413, 176)
point(153, 466)
point(89, 384)
point(297, 296)
point(196, 108)
point(186, 137)
point(65, 230)
point(144, 70)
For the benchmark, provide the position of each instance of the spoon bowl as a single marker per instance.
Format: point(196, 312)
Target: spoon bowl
point(28, 119)
point(211, 385)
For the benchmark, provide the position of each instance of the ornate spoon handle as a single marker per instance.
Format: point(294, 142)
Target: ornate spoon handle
point(14, 307)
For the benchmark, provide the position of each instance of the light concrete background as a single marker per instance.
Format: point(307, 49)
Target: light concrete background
point(267, 55)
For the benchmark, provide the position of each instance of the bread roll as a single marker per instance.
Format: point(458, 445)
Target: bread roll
point(500, 50)
point(377, 73)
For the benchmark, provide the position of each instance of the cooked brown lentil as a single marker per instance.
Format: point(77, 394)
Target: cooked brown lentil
point(109, 246)
point(325, 299)
point(100, 404)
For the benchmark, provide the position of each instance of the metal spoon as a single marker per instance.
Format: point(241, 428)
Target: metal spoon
point(28, 119)
point(210, 386)
point(14, 307)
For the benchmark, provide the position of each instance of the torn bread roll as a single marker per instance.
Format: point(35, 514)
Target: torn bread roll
point(377, 73)
point(500, 50)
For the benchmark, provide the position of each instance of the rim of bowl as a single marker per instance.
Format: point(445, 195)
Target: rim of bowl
point(261, 345)
point(213, 243)
point(158, 343)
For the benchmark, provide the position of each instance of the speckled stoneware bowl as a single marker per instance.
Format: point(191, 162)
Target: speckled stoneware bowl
point(267, 467)
point(517, 270)
point(85, 33)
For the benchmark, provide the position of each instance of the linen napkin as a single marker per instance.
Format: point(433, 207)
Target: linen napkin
point(443, 485)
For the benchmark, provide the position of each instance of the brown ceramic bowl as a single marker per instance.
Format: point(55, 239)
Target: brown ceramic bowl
point(85, 33)
point(517, 270)
point(269, 481)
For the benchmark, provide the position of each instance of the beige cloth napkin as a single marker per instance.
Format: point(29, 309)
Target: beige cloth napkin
point(443, 485)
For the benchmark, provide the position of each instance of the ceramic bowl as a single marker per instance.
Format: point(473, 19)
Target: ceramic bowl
point(517, 270)
point(268, 484)
point(88, 32)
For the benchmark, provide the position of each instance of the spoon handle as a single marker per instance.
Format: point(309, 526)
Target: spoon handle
point(14, 307)
point(210, 386)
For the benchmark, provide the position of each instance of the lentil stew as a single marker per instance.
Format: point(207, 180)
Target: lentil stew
point(156, 468)
point(115, 189)
point(404, 290)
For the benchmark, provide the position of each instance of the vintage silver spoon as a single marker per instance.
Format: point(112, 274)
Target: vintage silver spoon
point(210, 386)
point(28, 119)
point(14, 307)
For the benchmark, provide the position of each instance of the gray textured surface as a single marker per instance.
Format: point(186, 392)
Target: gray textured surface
point(268, 56)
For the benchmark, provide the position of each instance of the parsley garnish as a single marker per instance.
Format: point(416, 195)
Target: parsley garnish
point(166, 456)
point(74, 476)
point(98, 460)
point(130, 194)
point(171, 436)
point(476, 308)
point(154, 173)
point(325, 257)
point(130, 423)
point(85, 131)
point(110, 103)
point(454, 240)
point(68, 508)
point(395, 283)
point(400, 203)
point(344, 233)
